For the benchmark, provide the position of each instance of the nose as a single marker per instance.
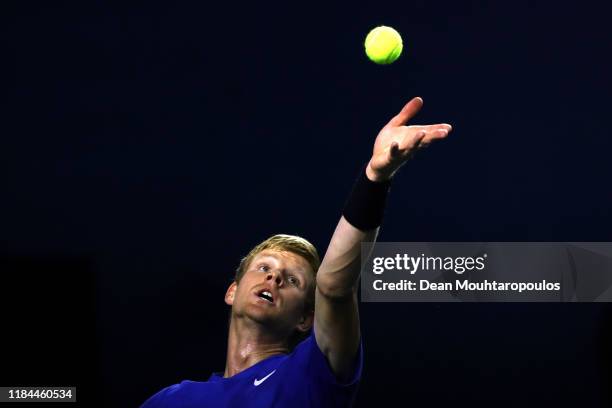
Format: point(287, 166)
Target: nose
point(275, 277)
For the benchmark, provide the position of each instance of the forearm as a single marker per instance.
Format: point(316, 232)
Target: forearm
point(339, 272)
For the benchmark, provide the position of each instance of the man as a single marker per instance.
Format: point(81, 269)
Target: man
point(278, 283)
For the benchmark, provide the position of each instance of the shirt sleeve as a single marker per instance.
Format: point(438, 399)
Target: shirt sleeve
point(159, 399)
point(321, 378)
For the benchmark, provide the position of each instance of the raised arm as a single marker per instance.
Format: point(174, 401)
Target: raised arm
point(336, 314)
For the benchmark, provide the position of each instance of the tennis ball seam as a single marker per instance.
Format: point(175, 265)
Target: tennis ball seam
point(392, 57)
point(376, 51)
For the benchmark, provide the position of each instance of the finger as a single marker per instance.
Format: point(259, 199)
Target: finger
point(430, 128)
point(394, 151)
point(409, 142)
point(438, 126)
point(435, 135)
point(407, 112)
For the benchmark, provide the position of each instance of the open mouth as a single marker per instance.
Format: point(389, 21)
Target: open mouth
point(266, 295)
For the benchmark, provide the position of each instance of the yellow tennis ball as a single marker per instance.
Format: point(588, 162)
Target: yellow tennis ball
point(383, 45)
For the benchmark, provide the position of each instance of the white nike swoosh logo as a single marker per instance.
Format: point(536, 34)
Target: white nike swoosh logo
point(258, 382)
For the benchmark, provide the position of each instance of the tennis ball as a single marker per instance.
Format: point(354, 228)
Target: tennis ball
point(383, 45)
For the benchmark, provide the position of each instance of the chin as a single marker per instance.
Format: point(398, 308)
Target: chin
point(269, 318)
point(261, 314)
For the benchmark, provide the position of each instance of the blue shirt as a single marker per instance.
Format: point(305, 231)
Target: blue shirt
point(297, 380)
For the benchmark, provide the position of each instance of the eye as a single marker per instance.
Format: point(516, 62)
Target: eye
point(293, 280)
point(263, 268)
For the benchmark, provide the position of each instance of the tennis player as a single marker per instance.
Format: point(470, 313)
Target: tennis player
point(294, 338)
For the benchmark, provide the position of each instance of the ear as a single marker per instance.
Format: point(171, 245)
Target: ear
point(230, 293)
point(306, 321)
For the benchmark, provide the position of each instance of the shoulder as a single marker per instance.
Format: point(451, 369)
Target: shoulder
point(310, 360)
point(173, 393)
point(160, 397)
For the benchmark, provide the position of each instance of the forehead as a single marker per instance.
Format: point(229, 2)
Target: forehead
point(288, 259)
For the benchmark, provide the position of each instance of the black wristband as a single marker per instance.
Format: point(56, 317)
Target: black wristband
point(366, 204)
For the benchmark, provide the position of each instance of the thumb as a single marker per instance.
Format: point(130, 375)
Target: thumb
point(394, 151)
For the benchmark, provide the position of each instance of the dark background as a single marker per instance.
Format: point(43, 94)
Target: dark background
point(147, 146)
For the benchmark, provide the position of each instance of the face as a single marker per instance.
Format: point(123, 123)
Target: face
point(273, 291)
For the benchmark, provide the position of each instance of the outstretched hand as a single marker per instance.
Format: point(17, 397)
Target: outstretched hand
point(396, 142)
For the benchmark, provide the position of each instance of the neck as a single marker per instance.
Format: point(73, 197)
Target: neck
point(249, 343)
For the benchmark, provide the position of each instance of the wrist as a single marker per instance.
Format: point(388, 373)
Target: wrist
point(365, 206)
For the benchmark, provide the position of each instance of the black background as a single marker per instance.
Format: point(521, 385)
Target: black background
point(147, 146)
